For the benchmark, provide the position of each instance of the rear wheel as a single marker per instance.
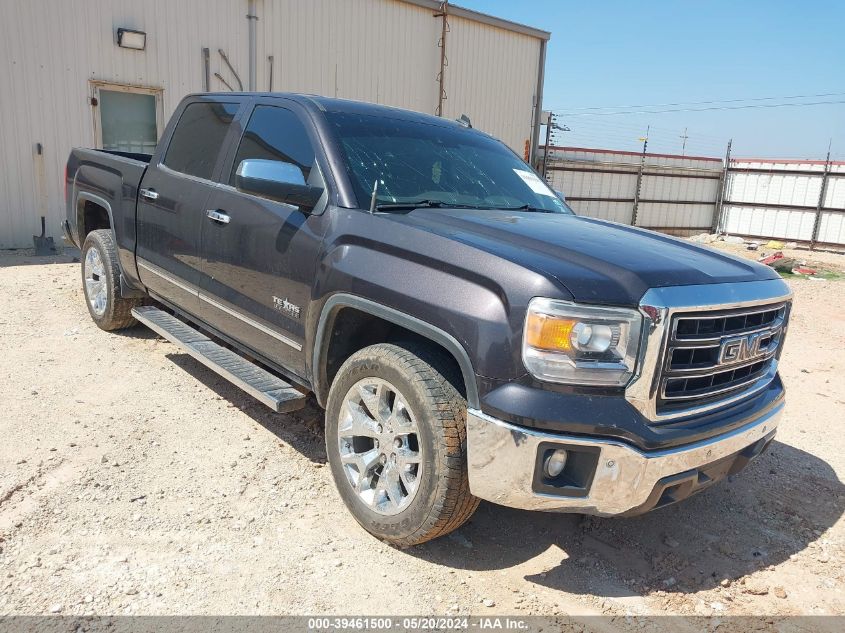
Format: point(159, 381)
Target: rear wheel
point(101, 283)
point(396, 443)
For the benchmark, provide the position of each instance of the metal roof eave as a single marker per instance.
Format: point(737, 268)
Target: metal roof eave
point(484, 18)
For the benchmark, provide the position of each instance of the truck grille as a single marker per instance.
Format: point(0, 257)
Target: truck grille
point(713, 355)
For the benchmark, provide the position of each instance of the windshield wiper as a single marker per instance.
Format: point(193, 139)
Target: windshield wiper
point(421, 204)
point(524, 207)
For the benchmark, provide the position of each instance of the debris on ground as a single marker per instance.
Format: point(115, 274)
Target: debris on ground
point(704, 238)
point(779, 262)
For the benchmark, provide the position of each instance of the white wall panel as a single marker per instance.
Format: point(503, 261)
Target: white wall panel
point(832, 228)
point(613, 211)
point(678, 188)
point(583, 184)
point(680, 216)
point(380, 51)
point(781, 223)
point(792, 189)
point(834, 193)
point(491, 77)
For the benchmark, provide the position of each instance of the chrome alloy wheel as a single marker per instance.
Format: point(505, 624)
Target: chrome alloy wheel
point(95, 281)
point(379, 446)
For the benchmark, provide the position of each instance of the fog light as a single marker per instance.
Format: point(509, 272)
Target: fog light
point(555, 463)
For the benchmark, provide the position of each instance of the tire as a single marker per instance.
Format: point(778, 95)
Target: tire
point(101, 283)
point(419, 489)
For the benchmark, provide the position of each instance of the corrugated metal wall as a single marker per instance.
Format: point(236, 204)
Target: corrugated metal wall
point(492, 83)
point(764, 198)
point(772, 198)
point(677, 194)
point(50, 49)
point(384, 51)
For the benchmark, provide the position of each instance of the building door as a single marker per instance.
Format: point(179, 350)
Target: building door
point(127, 118)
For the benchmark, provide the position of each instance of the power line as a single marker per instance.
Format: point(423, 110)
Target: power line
point(742, 107)
point(691, 103)
point(636, 128)
point(593, 130)
point(671, 135)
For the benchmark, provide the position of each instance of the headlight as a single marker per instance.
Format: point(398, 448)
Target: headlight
point(581, 345)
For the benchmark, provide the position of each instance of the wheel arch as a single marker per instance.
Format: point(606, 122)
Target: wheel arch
point(86, 206)
point(322, 376)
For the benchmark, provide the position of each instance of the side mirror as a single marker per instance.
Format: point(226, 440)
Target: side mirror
point(276, 180)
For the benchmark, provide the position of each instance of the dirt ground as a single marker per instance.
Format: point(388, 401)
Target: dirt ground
point(135, 481)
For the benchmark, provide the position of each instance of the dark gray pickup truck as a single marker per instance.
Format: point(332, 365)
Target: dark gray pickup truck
point(468, 335)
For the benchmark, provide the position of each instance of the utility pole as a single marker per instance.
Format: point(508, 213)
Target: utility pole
point(253, 59)
point(547, 118)
point(640, 178)
point(719, 208)
point(820, 205)
point(441, 76)
point(684, 145)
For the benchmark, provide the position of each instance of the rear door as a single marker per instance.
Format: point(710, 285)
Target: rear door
point(260, 261)
point(172, 200)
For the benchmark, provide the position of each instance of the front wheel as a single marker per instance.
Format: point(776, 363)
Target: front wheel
point(396, 443)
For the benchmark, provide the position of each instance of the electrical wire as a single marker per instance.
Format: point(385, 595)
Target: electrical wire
point(690, 103)
point(741, 107)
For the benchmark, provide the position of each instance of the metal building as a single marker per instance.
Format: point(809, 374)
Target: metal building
point(108, 73)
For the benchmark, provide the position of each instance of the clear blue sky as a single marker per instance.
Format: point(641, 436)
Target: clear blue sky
point(618, 53)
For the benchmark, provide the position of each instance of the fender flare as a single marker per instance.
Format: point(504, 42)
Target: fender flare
point(80, 216)
point(423, 328)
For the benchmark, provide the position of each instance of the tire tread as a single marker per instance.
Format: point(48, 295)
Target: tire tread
point(454, 503)
point(118, 314)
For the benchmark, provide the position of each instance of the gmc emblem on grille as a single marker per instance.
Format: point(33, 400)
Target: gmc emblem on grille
point(742, 348)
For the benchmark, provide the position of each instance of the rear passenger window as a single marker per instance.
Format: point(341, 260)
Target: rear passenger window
point(198, 138)
point(275, 133)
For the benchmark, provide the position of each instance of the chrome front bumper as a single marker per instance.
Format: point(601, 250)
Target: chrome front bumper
point(503, 462)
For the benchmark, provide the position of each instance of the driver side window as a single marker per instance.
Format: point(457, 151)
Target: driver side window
point(275, 133)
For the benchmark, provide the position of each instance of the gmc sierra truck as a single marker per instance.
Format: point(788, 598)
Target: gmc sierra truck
point(468, 335)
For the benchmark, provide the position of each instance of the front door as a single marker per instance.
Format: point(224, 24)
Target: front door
point(172, 202)
point(260, 256)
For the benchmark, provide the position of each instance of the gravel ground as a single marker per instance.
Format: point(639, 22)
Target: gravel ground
point(135, 481)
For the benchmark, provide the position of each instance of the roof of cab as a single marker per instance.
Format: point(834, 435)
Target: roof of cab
point(330, 104)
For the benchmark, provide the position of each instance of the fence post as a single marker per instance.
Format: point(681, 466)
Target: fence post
point(719, 208)
point(548, 118)
point(639, 179)
point(818, 221)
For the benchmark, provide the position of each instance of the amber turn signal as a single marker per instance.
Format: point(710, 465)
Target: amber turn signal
point(547, 332)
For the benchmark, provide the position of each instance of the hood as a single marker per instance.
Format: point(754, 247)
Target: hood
point(596, 261)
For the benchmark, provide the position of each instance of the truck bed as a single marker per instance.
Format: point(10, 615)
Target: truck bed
point(104, 182)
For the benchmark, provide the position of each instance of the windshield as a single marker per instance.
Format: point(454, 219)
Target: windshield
point(436, 165)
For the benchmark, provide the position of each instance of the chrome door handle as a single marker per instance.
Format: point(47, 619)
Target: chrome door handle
point(149, 194)
point(218, 216)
